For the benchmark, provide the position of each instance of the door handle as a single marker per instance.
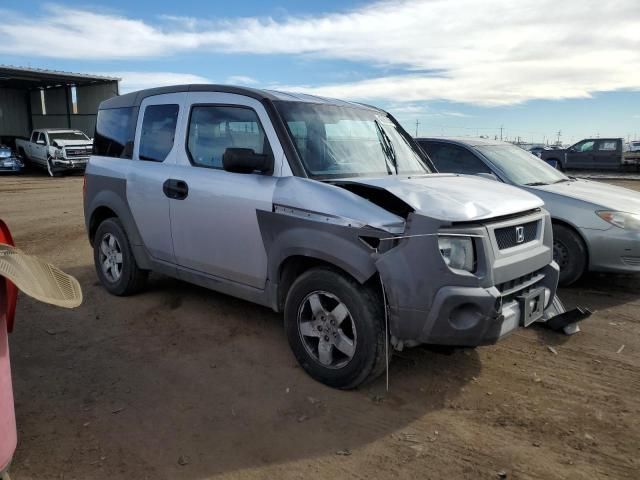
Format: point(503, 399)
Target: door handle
point(175, 189)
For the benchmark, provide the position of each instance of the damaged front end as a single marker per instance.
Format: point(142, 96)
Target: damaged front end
point(510, 282)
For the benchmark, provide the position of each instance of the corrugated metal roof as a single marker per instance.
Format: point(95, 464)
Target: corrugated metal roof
point(28, 77)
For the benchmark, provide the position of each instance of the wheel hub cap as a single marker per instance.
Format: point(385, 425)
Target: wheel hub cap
point(110, 257)
point(327, 329)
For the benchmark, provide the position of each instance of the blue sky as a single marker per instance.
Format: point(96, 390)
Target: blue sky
point(459, 67)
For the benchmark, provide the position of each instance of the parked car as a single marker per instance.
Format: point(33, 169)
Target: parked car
point(633, 146)
point(537, 150)
point(324, 210)
point(9, 161)
point(591, 153)
point(57, 150)
point(596, 226)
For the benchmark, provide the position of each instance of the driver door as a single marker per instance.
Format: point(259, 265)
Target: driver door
point(214, 226)
point(581, 155)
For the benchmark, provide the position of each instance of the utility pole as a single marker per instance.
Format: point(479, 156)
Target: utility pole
point(417, 125)
point(559, 135)
point(501, 128)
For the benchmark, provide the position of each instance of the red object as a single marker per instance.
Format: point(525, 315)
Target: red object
point(8, 297)
point(10, 290)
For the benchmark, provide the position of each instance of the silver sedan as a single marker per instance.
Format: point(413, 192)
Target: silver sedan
point(596, 227)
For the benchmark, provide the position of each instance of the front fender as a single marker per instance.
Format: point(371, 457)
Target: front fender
point(287, 235)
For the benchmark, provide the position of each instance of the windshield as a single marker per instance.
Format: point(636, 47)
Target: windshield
point(334, 141)
point(53, 136)
point(520, 167)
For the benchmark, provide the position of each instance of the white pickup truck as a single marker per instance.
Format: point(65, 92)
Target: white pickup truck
point(57, 150)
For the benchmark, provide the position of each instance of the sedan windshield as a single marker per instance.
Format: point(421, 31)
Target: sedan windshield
point(521, 167)
point(334, 141)
point(53, 136)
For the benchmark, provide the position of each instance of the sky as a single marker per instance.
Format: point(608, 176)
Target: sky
point(531, 69)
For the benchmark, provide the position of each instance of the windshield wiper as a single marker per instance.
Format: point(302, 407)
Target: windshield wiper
point(562, 180)
point(536, 184)
point(387, 148)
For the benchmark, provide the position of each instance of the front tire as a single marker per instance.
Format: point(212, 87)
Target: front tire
point(570, 253)
point(555, 164)
point(50, 168)
point(335, 327)
point(114, 261)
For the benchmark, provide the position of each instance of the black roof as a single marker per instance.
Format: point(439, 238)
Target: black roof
point(134, 99)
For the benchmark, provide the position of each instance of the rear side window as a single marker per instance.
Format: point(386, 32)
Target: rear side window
point(213, 129)
point(454, 159)
point(115, 129)
point(158, 132)
point(607, 146)
point(34, 136)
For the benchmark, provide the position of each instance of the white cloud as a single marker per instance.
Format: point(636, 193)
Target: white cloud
point(495, 52)
point(132, 81)
point(241, 80)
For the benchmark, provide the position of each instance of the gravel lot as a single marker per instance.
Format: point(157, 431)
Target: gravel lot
point(181, 382)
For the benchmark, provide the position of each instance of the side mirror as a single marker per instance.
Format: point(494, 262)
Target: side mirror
point(488, 176)
point(572, 150)
point(245, 160)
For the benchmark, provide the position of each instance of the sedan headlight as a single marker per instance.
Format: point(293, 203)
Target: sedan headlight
point(628, 221)
point(457, 252)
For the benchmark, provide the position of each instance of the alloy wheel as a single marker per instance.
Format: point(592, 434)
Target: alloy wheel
point(111, 257)
point(327, 329)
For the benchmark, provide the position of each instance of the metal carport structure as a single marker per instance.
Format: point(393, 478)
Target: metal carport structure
point(32, 98)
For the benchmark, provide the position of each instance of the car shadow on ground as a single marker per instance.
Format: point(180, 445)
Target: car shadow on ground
point(183, 381)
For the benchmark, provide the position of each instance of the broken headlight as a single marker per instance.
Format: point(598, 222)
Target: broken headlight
point(457, 252)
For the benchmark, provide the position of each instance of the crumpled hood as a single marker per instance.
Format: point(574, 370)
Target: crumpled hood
point(455, 198)
point(73, 143)
point(608, 196)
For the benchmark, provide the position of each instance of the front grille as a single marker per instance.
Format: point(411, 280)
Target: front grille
point(520, 285)
point(78, 152)
point(515, 235)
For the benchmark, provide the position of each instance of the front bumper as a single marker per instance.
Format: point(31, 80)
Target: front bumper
point(10, 165)
point(614, 250)
point(463, 316)
point(432, 304)
point(79, 163)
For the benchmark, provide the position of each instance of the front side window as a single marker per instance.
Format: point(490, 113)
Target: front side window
point(334, 141)
point(115, 129)
point(213, 129)
point(586, 146)
point(158, 132)
point(454, 159)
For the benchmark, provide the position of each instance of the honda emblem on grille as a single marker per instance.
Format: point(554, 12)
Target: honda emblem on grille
point(519, 234)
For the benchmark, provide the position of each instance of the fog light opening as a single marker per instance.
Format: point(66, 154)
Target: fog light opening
point(465, 316)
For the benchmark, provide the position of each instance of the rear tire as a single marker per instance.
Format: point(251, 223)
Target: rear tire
point(570, 253)
point(327, 314)
point(114, 261)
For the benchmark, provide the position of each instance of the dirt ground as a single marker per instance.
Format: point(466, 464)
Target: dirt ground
point(181, 382)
